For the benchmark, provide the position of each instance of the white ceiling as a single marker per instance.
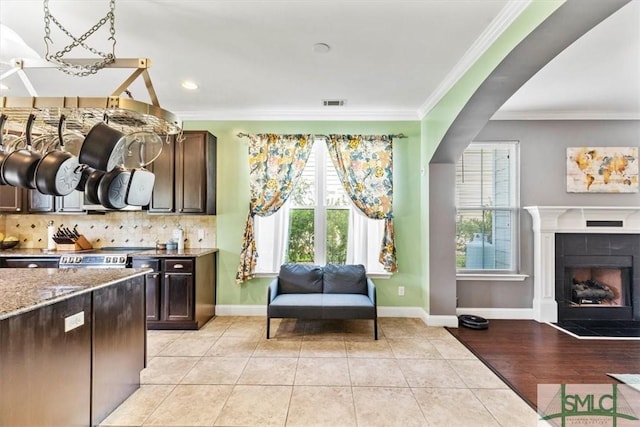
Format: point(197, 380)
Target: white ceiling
point(389, 59)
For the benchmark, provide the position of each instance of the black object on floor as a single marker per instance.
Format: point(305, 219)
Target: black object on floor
point(473, 322)
point(602, 328)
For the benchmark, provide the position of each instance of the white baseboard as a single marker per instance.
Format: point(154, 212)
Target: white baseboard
point(448, 321)
point(261, 310)
point(400, 311)
point(241, 310)
point(498, 313)
point(383, 311)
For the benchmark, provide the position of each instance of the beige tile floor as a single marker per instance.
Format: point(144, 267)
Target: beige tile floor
point(317, 373)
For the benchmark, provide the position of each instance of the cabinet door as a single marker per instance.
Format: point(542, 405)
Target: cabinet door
point(153, 296)
point(195, 173)
point(40, 203)
point(153, 285)
point(71, 202)
point(190, 174)
point(178, 296)
point(10, 199)
point(163, 188)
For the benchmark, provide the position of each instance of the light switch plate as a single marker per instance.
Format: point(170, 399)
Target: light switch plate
point(74, 321)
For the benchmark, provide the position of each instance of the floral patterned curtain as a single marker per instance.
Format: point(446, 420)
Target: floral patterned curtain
point(365, 167)
point(275, 164)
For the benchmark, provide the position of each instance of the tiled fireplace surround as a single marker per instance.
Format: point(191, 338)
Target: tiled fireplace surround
point(550, 220)
point(131, 228)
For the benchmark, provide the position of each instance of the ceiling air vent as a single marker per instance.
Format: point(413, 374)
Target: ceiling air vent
point(333, 102)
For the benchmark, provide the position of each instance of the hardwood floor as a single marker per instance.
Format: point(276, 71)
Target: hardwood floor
point(525, 353)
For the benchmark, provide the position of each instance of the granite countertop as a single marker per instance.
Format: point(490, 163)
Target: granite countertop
point(153, 253)
point(25, 289)
point(187, 253)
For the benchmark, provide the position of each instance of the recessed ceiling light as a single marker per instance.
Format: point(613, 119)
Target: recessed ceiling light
point(4, 86)
point(189, 85)
point(321, 48)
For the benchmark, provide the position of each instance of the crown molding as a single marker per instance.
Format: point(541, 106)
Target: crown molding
point(298, 115)
point(498, 25)
point(566, 115)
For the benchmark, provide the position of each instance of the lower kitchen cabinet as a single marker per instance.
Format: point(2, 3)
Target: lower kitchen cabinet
point(55, 372)
point(180, 291)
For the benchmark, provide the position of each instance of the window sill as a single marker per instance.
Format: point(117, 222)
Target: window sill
point(494, 277)
point(265, 275)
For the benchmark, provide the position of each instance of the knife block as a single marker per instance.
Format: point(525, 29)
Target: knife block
point(80, 244)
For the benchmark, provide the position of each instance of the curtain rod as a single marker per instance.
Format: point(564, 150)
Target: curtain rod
point(399, 135)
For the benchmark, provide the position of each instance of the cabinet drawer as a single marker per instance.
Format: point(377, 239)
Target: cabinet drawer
point(178, 265)
point(146, 263)
point(31, 263)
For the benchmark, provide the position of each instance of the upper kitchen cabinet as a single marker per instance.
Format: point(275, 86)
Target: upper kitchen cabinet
point(11, 199)
point(186, 176)
point(44, 203)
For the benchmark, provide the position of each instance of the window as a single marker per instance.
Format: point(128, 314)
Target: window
point(487, 208)
point(318, 224)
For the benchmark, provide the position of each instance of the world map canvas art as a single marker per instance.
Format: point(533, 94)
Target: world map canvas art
point(602, 169)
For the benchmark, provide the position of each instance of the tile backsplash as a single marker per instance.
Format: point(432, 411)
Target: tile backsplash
point(114, 229)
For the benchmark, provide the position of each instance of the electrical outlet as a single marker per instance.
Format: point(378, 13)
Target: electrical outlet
point(200, 234)
point(73, 321)
point(401, 291)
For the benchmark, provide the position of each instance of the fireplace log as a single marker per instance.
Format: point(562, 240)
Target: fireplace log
point(591, 290)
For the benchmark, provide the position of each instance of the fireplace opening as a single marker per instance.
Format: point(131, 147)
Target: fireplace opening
point(599, 287)
point(597, 276)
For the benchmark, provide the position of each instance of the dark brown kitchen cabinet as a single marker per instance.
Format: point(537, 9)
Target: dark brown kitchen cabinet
point(186, 176)
point(44, 203)
point(72, 362)
point(153, 283)
point(178, 296)
point(180, 292)
point(40, 203)
point(11, 199)
point(29, 262)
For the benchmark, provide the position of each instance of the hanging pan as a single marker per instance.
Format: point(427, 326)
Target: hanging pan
point(19, 167)
point(91, 179)
point(103, 147)
point(142, 148)
point(112, 188)
point(58, 172)
point(3, 154)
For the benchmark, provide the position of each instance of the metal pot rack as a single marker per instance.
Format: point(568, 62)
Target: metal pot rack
point(123, 113)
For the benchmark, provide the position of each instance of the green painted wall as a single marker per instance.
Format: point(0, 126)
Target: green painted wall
point(438, 120)
point(411, 160)
point(440, 117)
point(233, 203)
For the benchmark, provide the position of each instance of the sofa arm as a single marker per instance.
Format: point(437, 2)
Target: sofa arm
point(272, 290)
point(371, 291)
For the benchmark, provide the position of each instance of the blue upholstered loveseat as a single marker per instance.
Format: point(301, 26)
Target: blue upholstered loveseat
point(304, 291)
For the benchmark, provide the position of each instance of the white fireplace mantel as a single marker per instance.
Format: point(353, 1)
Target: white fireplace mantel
point(549, 220)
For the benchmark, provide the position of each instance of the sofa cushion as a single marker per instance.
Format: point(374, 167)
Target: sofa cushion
point(308, 305)
point(299, 279)
point(347, 306)
point(345, 279)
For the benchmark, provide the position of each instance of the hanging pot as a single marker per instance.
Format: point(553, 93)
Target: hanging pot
point(90, 188)
point(19, 167)
point(58, 172)
point(103, 148)
point(140, 187)
point(112, 189)
point(3, 154)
